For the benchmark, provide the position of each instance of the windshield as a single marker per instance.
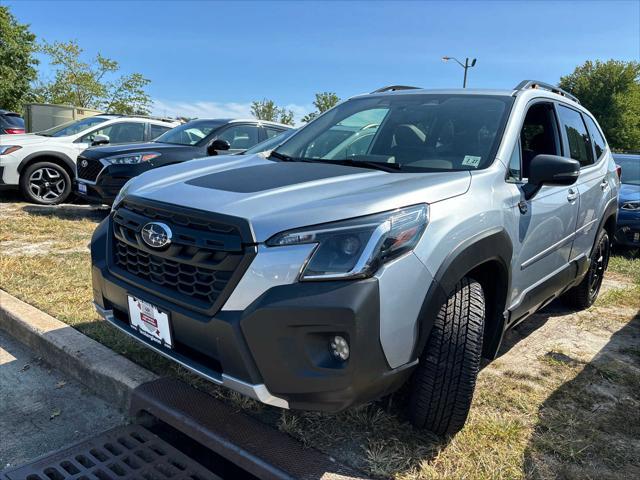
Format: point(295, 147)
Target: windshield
point(73, 127)
point(270, 143)
point(630, 165)
point(190, 133)
point(416, 132)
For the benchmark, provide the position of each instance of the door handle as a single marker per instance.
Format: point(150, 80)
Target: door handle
point(572, 196)
point(604, 184)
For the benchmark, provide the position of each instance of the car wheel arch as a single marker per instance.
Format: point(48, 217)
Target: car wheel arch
point(485, 257)
point(54, 157)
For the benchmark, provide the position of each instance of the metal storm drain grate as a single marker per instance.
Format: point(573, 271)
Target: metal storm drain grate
point(130, 452)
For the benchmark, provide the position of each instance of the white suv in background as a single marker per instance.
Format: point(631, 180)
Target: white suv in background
point(42, 165)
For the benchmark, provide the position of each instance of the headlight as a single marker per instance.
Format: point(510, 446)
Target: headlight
point(634, 205)
point(121, 194)
point(132, 158)
point(356, 248)
point(7, 149)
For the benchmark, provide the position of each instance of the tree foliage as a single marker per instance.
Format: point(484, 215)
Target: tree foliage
point(17, 61)
point(92, 84)
point(611, 91)
point(323, 102)
point(268, 110)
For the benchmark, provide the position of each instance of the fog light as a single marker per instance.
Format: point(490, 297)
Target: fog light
point(339, 348)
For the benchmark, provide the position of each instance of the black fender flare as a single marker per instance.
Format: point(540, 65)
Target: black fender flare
point(47, 153)
point(490, 245)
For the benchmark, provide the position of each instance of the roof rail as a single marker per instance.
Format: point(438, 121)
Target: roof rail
point(393, 88)
point(525, 84)
point(150, 117)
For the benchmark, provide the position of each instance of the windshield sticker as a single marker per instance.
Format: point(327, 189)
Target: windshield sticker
point(471, 160)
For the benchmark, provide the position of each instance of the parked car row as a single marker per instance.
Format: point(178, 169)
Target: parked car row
point(44, 165)
point(391, 241)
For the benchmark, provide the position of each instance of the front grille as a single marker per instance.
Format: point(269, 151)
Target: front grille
point(91, 170)
point(197, 270)
point(202, 284)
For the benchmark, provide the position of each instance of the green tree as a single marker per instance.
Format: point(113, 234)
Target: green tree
point(268, 110)
point(17, 61)
point(92, 84)
point(323, 102)
point(611, 91)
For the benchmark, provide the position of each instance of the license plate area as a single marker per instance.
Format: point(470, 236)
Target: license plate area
point(150, 321)
point(82, 188)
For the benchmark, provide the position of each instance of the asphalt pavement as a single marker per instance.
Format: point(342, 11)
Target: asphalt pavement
point(41, 410)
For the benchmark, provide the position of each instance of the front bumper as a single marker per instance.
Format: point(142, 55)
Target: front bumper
point(109, 181)
point(276, 350)
point(628, 228)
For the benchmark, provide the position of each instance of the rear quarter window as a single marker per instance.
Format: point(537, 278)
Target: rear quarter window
point(576, 135)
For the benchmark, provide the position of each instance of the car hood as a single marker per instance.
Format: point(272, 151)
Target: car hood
point(121, 149)
point(23, 139)
point(277, 196)
point(628, 192)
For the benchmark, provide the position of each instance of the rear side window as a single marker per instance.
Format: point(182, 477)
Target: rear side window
point(597, 139)
point(272, 132)
point(157, 130)
point(577, 136)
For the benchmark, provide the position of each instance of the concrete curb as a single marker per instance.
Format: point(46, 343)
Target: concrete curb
point(108, 374)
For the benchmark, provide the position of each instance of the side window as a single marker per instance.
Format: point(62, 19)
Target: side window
point(599, 144)
point(577, 136)
point(272, 132)
point(123, 132)
point(539, 135)
point(157, 130)
point(515, 164)
point(240, 137)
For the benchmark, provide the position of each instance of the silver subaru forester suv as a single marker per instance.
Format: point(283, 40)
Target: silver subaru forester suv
point(392, 240)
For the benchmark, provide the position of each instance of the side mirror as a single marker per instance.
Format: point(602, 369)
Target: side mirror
point(100, 140)
point(553, 170)
point(216, 145)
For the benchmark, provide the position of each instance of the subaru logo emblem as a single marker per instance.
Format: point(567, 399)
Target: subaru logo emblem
point(84, 163)
point(156, 235)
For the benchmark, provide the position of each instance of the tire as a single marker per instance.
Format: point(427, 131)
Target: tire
point(441, 388)
point(45, 183)
point(586, 292)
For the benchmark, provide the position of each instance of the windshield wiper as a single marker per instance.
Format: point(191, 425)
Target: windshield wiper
point(385, 167)
point(281, 156)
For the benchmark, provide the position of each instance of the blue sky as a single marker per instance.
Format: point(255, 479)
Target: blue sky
point(214, 58)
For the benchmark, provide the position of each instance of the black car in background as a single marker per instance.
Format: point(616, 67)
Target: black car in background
point(10, 123)
point(102, 171)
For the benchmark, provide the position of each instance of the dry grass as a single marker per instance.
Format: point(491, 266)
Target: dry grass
point(562, 401)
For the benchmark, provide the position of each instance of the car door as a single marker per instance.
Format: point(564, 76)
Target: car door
point(583, 141)
point(241, 137)
point(544, 223)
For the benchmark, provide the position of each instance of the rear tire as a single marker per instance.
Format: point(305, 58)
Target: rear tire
point(45, 183)
point(441, 388)
point(585, 294)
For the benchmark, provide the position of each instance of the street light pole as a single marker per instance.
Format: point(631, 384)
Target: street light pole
point(466, 66)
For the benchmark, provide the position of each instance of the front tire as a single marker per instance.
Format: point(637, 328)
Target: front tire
point(585, 294)
point(45, 183)
point(441, 388)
